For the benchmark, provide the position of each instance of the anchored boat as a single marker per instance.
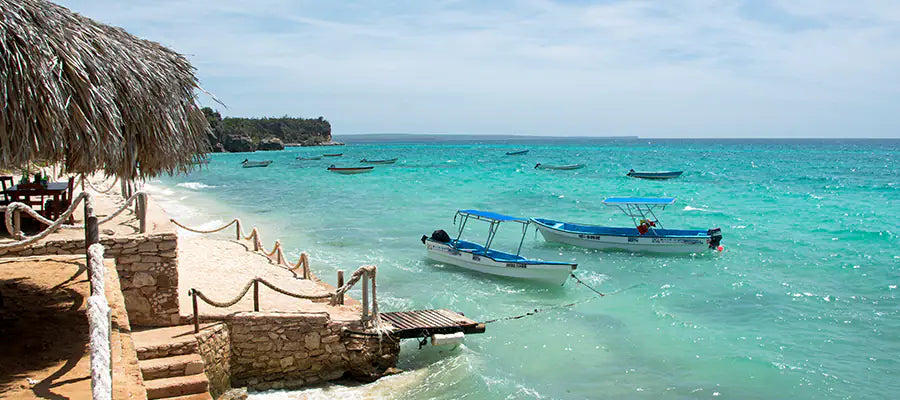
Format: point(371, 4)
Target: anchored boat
point(385, 161)
point(332, 155)
point(654, 175)
point(517, 152)
point(480, 258)
point(309, 158)
point(350, 170)
point(559, 167)
point(648, 233)
point(255, 164)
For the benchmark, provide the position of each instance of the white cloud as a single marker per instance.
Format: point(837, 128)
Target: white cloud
point(650, 68)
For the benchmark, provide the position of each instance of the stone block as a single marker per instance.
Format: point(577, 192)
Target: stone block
point(287, 361)
point(312, 341)
point(167, 245)
point(147, 247)
point(128, 259)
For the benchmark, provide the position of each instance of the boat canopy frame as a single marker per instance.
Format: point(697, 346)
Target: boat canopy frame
point(641, 208)
point(494, 220)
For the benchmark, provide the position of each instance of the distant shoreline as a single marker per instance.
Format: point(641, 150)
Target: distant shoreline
point(469, 138)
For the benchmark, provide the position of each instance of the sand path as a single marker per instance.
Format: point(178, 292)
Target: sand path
point(221, 268)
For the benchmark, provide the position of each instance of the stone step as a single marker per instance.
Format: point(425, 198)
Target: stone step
point(167, 350)
point(167, 367)
point(198, 396)
point(176, 386)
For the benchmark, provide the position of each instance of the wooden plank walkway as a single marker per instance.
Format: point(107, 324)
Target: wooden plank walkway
point(423, 323)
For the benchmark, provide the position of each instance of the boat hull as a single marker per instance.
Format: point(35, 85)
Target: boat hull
point(649, 242)
point(561, 167)
point(261, 164)
point(554, 274)
point(517, 153)
point(351, 171)
point(390, 161)
point(655, 175)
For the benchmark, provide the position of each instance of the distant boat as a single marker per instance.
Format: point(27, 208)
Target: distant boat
point(350, 170)
point(385, 161)
point(332, 155)
point(647, 234)
point(309, 158)
point(255, 164)
point(655, 175)
point(560, 167)
point(517, 152)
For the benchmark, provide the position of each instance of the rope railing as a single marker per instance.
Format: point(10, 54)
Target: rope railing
point(99, 326)
point(98, 190)
point(14, 210)
point(276, 255)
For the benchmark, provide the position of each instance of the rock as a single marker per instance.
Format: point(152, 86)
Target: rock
point(312, 341)
point(218, 148)
point(271, 143)
point(238, 144)
point(142, 279)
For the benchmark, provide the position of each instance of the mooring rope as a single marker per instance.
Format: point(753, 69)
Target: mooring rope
point(572, 274)
point(567, 305)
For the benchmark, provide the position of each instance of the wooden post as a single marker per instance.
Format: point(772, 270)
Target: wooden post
point(17, 224)
point(365, 296)
point(255, 295)
point(340, 283)
point(91, 231)
point(142, 211)
point(374, 300)
point(196, 314)
point(237, 233)
point(306, 270)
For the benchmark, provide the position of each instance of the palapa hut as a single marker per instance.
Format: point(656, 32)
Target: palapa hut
point(92, 96)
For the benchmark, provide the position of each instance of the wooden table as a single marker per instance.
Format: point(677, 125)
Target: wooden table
point(54, 190)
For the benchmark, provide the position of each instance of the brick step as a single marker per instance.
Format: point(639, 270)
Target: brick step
point(198, 396)
point(167, 367)
point(167, 350)
point(176, 386)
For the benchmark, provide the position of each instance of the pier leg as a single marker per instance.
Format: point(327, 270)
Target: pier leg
point(365, 296)
point(340, 283)
point(256, 295)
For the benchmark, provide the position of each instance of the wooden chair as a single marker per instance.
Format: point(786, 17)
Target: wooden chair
point(53, 209)
point(7, 182)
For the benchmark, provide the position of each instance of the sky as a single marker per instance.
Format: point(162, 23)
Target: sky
point(689, 68)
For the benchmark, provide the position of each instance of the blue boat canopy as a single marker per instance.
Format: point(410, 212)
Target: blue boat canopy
point(491, 216)
point(616, 201)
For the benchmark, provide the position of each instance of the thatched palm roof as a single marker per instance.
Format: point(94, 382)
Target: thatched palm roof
point(93, 96)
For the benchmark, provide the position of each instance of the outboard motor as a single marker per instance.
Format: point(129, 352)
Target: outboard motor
point(715, 236)
point(438, 236)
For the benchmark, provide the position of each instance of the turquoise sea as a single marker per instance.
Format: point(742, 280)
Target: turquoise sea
point(802, 304)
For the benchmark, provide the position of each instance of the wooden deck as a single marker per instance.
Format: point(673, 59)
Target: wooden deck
point(423, 323)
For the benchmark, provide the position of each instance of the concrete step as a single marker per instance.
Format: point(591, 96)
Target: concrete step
point(163, 342)
point(198, 396)
point(176, 386)
point(167, 367)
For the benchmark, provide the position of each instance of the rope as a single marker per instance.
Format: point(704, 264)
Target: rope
point(540, 310)
point(11, 209)
point(98, 312)
point(572, 274)
point(246, 289)
point(225, 303)
point(205, 231)
point(107, 190)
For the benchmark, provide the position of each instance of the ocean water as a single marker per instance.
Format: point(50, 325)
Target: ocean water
point(802, 304)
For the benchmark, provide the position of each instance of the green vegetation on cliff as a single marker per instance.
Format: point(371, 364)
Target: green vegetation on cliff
point(304, 131)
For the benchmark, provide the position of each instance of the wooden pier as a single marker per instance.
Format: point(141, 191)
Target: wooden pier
point(423, 323)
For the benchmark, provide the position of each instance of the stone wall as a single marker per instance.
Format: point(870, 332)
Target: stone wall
point(290, 350)
point(147, 267)
point(214, 344)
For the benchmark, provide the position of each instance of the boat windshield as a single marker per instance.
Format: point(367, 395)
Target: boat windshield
point(494, 219)
point(640, 209)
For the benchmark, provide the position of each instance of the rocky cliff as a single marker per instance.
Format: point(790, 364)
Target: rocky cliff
point(250, 134)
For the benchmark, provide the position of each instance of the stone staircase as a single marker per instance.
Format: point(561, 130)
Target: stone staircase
point(170, 364)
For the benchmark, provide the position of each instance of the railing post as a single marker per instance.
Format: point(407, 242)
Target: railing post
point(365, 296)
point(306, 271)
point(255, 237)
point(91, 230)
point(340, 283)
point(255, 295)
point(142, 211)
point(374, 300)
point(17, 224)
point(196, 314)
point(237, 233)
